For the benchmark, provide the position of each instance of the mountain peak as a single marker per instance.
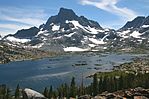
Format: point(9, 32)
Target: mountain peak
point(66, 11)
point(66, 14)
point(63, 15)
point(136, 23)
point(26, 33)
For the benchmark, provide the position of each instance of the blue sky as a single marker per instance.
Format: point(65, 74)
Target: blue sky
point(19, 14)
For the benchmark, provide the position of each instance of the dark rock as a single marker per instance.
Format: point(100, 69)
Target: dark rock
point(146, 21)
point(136, 23)
point(85, 97)
point(26, 33)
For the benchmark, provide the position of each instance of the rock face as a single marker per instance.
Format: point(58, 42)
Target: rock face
point(27, 33)
point(31, 94)
point(136, 23)
point(136, 93)
point(0, 36)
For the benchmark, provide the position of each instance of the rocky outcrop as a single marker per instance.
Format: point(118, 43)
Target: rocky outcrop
point(31, 94)
point(136, 93)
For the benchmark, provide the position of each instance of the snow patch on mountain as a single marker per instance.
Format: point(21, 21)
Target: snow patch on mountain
point(42, 32)
point(92, 45)
point(95, 41)
point(135, 34)
point(69, 35)
point(59, 37)
point(124, 34)
point(38, 45)
point(75, 23)
point(55, 27)
point(74, 49)
point(88, 29)
point(145, 26)
point(93, 30)
point(13, 39)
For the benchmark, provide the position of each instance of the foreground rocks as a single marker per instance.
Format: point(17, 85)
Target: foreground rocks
point(136, 93)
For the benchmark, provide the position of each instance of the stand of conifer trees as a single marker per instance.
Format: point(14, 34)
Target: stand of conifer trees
point(101, 82)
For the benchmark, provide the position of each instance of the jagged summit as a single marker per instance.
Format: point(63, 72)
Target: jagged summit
point(65, 15)
point(136, 23)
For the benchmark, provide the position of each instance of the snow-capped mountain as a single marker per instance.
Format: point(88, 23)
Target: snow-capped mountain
point(135, 28)
point(135, 32)
point(67, 31)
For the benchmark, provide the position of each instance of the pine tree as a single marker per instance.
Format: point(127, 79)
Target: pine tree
point(73, 88)
point(95, 85)
point(82, 86)
point(8, 96)
point(17, 92)
point(100, 89)
point(67, 91)
point(45, 93)
point(50, 92)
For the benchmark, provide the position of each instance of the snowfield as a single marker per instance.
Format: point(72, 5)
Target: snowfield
point(13, 39)
point(55, 27)
point(95, 41)
point(135, 34)
point(74, 49)
point(145, 26)
point(88, 29)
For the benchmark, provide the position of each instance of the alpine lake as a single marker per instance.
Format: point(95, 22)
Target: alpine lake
point(40, 73)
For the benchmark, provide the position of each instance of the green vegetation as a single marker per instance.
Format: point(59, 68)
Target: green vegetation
point(106, 81)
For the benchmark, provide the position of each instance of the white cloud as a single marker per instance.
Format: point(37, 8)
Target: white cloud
point(6, 29)
point(14, 18)
point(111, 6)
point(13, 26)
point(23, 15)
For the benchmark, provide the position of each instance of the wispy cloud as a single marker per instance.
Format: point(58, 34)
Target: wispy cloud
point(8, 28)
point(13, 26)
point(14, 18)
point(111, 6)
point(23, 15)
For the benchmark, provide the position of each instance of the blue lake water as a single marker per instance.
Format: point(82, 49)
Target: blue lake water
point(41, 73)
